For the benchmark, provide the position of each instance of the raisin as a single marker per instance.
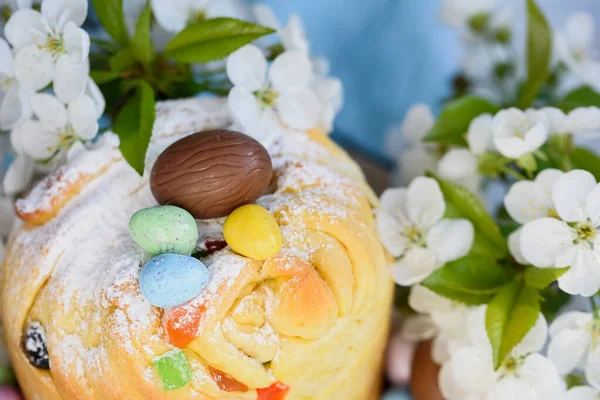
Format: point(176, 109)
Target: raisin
point(34, 344)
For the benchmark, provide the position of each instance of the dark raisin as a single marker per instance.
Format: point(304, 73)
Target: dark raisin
point(34, 344)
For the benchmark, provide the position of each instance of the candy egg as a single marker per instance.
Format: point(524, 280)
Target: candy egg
point(170, 280)
point(252, 231)
point(211, 173)
point(165, 229)
point(9, 393)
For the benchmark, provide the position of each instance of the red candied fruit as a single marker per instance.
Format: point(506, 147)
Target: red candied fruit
point(183, 324)
point(276, 391)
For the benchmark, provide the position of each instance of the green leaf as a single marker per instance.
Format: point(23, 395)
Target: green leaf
point(111, 16)
point(141, 43)
point(491, 164)
point(102, 77)
point(541, 278)
point(510, 315)
point(584, 96)
point(461, 203)
point(582, 158)
point(471, 279)
point(123, 60)
point(539, 47)
point(454, 120)
point(212, 39)
point(134, 124)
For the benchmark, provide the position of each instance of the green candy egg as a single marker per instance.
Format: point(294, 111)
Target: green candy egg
point(164, 229)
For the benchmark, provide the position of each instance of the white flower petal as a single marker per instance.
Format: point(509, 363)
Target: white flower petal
point(511, 388)
point(293, 35)
point(584, 121)
point(583, 278)
point(557, 119)
point(582, 393)
point(75, 151)
point(415, 265)
point(511, 147)
point(37, 141)
point(580, 29)
point(70, 78)
point(480, 134)
point(479, 375)
point(11, 107)
point(592, 368)
point(547, 178)
point(514, 246)
point(570, 192)
point(172, 15)
point(527, 201)
point(541, 375)
point(82, 114)
point(425, 202)
point(448, 385)
point(393, 201)
point(18, 175)
point(390, 232)
point(536, 137)
point(265, 16)
point(77, 43)
point(534, 340)
point(451, 239)
point(425, 301)
point(592, 205)
point(290, 70)
point(7, 62)
point(417, 328)
point(50, 111)
point(415, 161)
point(298, 108)
point(34, 67)
point(568, 348)
point(570, 320)
point(247, 68)
point(417, 123)
point(244, 106)
point(65, 10)
point(22, 28)
point(93, 91)
point(457, 164)
point(544, 240)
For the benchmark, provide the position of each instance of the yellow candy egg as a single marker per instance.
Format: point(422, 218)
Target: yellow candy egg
point(252, 231)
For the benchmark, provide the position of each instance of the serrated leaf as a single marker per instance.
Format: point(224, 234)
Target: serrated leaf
point(110, 14)
point(454, 120)
point(123, 60)
point(541, 278)
point(134, 124)
point(582, 158)
point(539, 47)
point(471, 279)
point(212, 39)
point(509, 317)
point(460, 202)
point(584, 96)
point(141, 43)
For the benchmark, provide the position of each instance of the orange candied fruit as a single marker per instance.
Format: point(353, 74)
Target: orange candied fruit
point(226, 382)
point(182, 325)
point(276, 391)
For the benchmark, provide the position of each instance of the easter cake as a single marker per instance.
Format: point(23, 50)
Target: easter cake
point(226, 272)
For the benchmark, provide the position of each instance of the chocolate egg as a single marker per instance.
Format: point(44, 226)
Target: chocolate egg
point(211, 173)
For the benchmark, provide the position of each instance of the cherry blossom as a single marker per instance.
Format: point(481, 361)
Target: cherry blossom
point(572, 240)
point(174, 15)
point(50, 47)
point(458, 13)
point(264, 102)
point(411, 227)
point(14, 98)
point(57, 127)
point(293, 35)
point(517, 133)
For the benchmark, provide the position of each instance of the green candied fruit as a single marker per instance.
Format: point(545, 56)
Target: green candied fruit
point(164, 229)
point(173, 369)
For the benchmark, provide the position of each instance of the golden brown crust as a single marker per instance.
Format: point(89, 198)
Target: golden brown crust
point(314, 317)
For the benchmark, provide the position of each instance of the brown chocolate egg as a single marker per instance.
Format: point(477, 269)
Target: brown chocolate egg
point(211, 173)
point(424, 377)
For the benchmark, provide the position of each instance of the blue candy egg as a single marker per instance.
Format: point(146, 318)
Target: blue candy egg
point(170, 280)
point(397, 394)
